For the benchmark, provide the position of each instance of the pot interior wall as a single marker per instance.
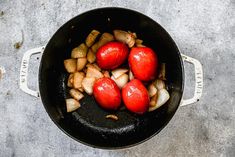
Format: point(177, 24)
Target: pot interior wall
point(88, 124)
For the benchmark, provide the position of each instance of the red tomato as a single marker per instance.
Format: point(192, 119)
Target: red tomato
point(107, 93)
point(111, 55)
point(135, 96)
point(143, 62)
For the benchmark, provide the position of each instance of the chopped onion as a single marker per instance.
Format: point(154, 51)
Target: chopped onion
point(79, 51)
point(70, 65)
point(131, 76)
point(159, 84)
point(138, 41)
point(124, 37)
point(118, 72)
point(77, 79)
point(121, 81)
point(153, 101)
point(76, 94)
point(162, 97)
point(92, 37)
point(70, 80)
point(72, 104)
point(93, 72)
point(81, 63)
point(104, 39)
point(111, 116)
point(152, 90)
point(91, 56)
point(93, 66)
point(87, 84)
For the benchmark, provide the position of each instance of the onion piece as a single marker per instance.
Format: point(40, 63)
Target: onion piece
point(162, 97)
point(81, 63)
point(153, 101)
point(131, 76)
point(96, 66)
point(76, 94)
point(70, 80)
point(159, 84)
point(91, 56)
point(138, 41)
point(93, 66)
point(121, 81)
point(118, 72)
point(79, 51)
point(111, 116)
point(77, 79)
point(93, 72)
point(87, 84)
point(72, 104)
point(70, 65)
point(152, 90)
point(124, 37)
point(92, 37)
point(104, 39)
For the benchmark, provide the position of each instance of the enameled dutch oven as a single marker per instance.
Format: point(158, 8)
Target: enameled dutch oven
point(88, 124)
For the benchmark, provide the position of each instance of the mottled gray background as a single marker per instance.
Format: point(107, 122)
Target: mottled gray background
point(203, 29)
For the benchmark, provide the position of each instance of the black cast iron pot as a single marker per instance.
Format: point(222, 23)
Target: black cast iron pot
point(88, 124)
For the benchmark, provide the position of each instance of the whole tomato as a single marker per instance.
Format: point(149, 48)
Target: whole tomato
point(135, 96)
point(107, 93)
point(111, 55)
point(143, 62)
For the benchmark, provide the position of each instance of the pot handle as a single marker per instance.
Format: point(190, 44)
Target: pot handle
point(24, 71)
point(198, 80)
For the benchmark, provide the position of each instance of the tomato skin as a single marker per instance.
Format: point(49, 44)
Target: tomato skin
point(107, 93)
point(111, 55)
point(143, 63)
point(135, 97)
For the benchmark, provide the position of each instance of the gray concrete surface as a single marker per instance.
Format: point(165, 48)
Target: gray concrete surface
point(203, 29)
